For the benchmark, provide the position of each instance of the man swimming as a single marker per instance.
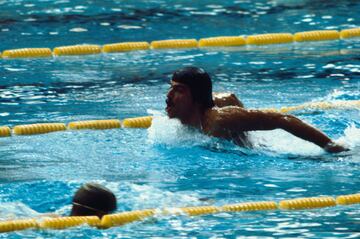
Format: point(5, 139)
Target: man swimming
point(191, 101)
point(93, 199)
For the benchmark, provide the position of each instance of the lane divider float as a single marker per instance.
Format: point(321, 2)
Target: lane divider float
point(250, 206)
point(125, 46)
point(350, 33)
point(38, 128)
point(306, 203)
point(65, 222)
point(324, 35)
point(77, 50)
point(138, 122)
point(119, 219)
point(174, 44)
point(321, 105)
point(27, 52)
point(266, 39)
point(220, 41)
point(5, 131)
point(17, 225)
point(348, 199)
point(95, 124)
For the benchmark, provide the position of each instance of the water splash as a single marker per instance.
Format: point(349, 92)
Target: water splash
point(147, 196)
point(281, 142)
point(351, 136)
point(171, 132)
point(16, 210)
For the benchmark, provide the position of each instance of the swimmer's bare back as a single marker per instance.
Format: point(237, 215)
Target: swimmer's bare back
point(228, 121)
point(226, 99)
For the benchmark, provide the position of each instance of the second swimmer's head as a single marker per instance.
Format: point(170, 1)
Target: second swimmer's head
point(93, 199)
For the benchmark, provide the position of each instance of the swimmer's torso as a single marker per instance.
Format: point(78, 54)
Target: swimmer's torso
point(212, 116)
point(214, 124)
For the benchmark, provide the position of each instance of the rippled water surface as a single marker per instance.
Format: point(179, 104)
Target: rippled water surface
point(169, 165)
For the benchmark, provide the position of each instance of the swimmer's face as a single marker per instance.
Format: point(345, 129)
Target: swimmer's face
point(179, 102)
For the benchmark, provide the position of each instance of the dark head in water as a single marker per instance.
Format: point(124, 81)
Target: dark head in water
point(93, 199)
point(190, 92)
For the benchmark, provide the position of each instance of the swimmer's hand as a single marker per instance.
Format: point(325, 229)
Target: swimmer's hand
point(333, 147)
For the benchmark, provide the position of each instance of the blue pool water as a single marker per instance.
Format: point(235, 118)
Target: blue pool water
point(169, 165)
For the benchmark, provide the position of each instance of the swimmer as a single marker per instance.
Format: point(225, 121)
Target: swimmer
point(92, 199)
point(190, 100)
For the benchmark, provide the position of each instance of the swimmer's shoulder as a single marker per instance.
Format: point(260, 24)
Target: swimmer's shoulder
point(216, 118)
point(222, 99)
point(217, 113)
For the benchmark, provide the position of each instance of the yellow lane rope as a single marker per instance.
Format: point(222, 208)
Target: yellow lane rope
point(5, 131)
point(321, 105)
point(350, 33)
point(138, 122)
point(324, 35)
point(65, 222)
point(38, 128)
point(125, 46)
point(219, 41)
point(305, 203)
point(222, 41)
point(77, 50)
point(95, 124)
point(17, 225)
point(274, 38)
point(145, 121)
point(118, 219)
point(174, 44)
point(348, 199)
point(27, 52)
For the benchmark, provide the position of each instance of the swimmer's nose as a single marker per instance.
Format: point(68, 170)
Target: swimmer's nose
point(168, 102)
point(168, 98)
point(169, 93)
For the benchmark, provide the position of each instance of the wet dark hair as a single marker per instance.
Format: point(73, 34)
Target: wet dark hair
point(199, 83)
point(93, 199)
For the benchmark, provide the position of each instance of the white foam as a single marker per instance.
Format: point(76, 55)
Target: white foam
point(280, 141)
point(147, 196)
point(351, 136)
point(16, 210)
point(171, 132)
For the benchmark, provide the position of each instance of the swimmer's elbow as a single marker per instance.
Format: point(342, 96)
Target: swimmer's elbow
point(282, 121)
point(287, 119)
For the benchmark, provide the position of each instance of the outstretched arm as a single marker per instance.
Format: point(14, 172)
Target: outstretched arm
point(237, 119)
